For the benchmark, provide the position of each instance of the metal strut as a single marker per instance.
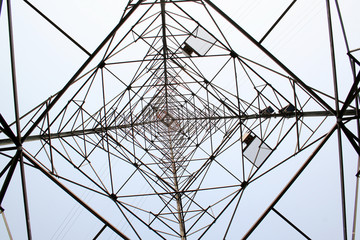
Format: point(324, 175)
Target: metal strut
point(6, 223)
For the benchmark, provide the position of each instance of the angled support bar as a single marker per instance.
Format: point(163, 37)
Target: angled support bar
point(99, 233)
point(351, 137)
point(290, 183)
point(8, 131)
point(76, 198)
point(277, 21)
point(7, 180)
point(57, 27)
point(71, 81)
point(291, 224)
point(354, 91)
point(277, 61)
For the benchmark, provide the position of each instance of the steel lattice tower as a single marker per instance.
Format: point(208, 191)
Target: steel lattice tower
point(178, 129)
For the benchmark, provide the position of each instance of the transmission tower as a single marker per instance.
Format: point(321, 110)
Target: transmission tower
point(181, 124)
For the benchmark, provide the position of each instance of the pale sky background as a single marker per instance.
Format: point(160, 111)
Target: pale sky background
point(46, 60)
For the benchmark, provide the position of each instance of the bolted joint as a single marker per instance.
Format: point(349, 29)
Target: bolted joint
point(233, 54)
point(101, 64)
point(339, 120)
point(113, 196)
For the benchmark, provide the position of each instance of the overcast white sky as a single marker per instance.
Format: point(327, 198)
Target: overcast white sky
point(46, 60)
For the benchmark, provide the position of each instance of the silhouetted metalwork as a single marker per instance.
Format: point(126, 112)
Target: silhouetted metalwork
point(167, 112)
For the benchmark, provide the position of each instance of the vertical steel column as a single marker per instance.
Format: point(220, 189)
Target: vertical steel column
point(163, 20)
point(18, 156)
point(13, 69)
point(177, 193)
point(339, 118)
point(353, 235)
point(173, 160)
point(26, 204)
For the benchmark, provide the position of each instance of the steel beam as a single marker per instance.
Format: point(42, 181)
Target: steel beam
point(57, 27)
point(277, 21)
point(25, 198)
point(243, 117)
point(11, 170)
point(272, 57)
point(290, 183)
point(75, 76)
point(74, 196)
